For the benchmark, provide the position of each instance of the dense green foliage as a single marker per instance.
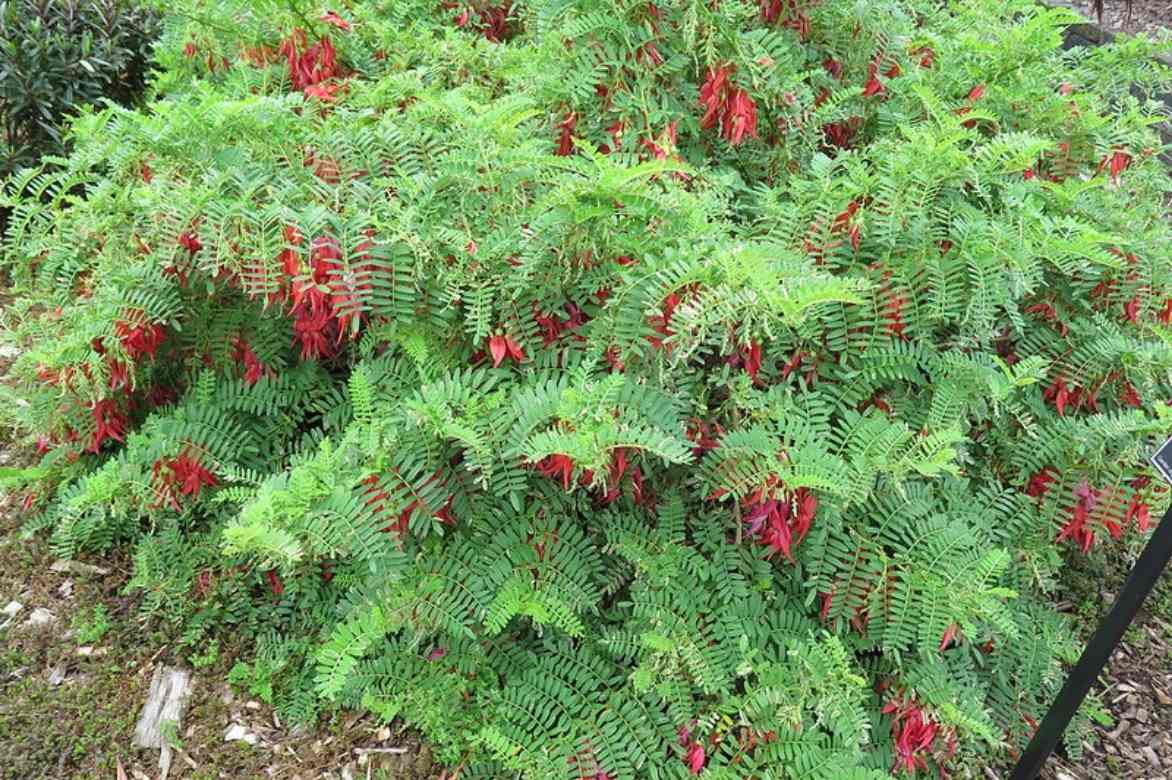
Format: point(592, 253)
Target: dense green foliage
point(612, 389)
point(56, 55)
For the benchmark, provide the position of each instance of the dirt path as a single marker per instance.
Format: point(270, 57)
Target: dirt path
point(76, 666)
point(1146, 16)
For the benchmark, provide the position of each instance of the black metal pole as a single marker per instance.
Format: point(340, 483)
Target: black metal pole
point(1143, 578)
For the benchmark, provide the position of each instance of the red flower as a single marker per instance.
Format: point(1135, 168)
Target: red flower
point(500, 346)
point(873, 87)
point(1059, 394)
point(495, 21)
point(1076, 528)
point(557, 465)
point(312, 65)
point(1040, 482)
point(730, 105)
point(1141, 513)
point(977, 93)
point(1165, 315)
point(695, 758)
point(913, 733)
point(275, 584)
point(139, 337)
point(242, 353)
point(109, 423)
point(190, 241)
point(1131, 311)
point(739, 118)
point(1116, 162)
point(649, 55)
point(833, 67)
point(1130, 396)
point(191, 475)
point(712, 95)
point(329, 17)
point(781, 523)
point(566, 135)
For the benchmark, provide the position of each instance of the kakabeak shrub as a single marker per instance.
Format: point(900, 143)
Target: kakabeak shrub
point(613, 390)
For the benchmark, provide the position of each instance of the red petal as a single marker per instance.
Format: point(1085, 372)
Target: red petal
point(498, 347)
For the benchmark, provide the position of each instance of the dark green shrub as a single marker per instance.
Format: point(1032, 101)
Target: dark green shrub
point(56, 55)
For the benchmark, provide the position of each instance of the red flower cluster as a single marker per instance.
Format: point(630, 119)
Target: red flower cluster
point(728, 104)
point(242, 353)
point(1116, 163)
point(310, 65)
point(494, 21)
point(376, 499)
point(1077, 527)
point(184, 475)
point(110, 423)
point(914, 734)
point(139, 337)
point(325, 302)
point(1040, 482)
point(780, 523)
point(695, 757)
point(661, 323)
point(553, 326)
point(701, 434)
point(501, 346)
point(189, 240)
point(748, 357)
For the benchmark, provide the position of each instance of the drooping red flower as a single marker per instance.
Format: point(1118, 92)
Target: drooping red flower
point(119, 375)
point(1129, 396)
point(727, 104)
point(913, 732)
point(500, 346)
point(874, 87)
point(1116, 163)
point(739, 118)
point(1077, 527)
point(712, 93)
point(243, 354)
point(329, 17)
point(1058, 394)
point(1131, 311)
point(1040, 482)
point(1165, 314)
point(1141, 513)
point(557, 466)
point(139, 337)
point(695, 758)
point(494, 21)
point(310, 65)
point(780, 523)
point(566, 135)
point(190, 241)
point(110, 423)
point(748, 357)
point(275, 584)
point(190, 475)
